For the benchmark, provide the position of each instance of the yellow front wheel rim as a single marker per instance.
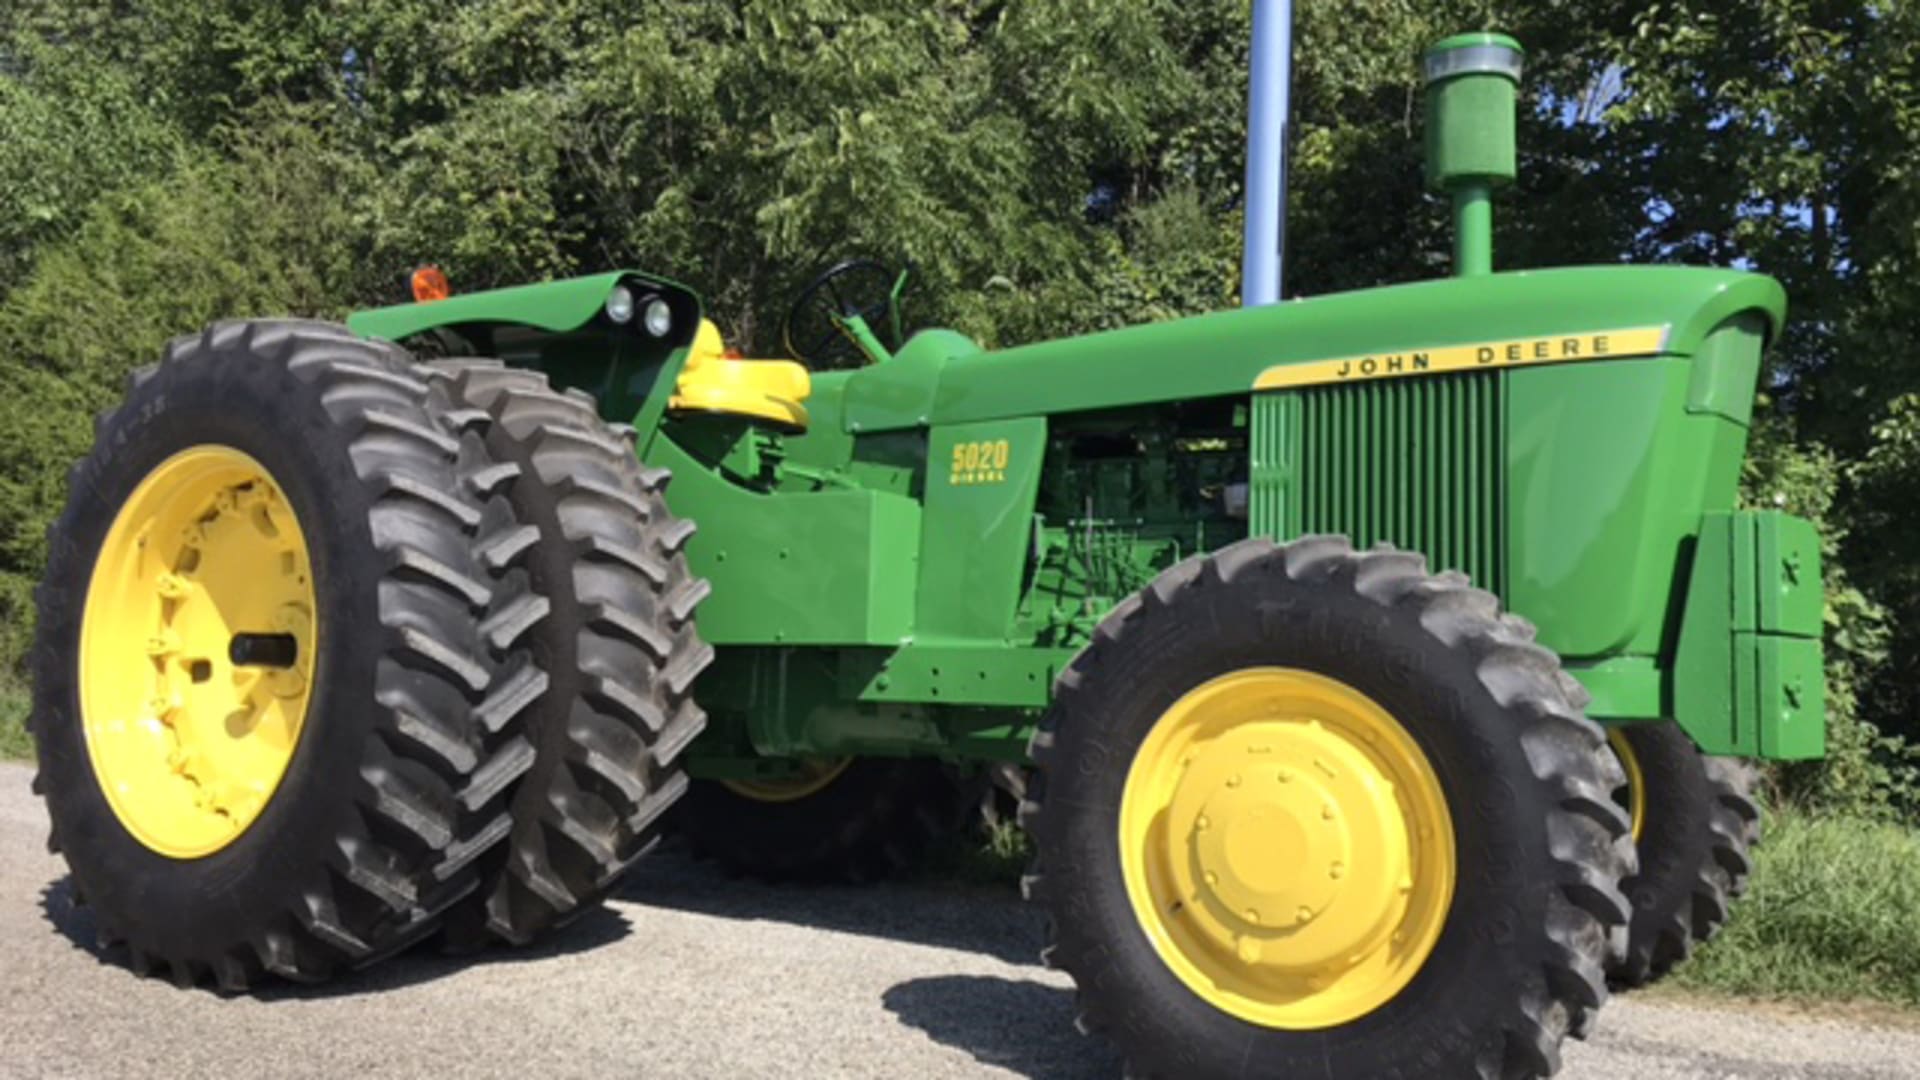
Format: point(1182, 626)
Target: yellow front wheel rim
point(1636, 800)
point(811, 777)
point(197, 648)
point(1287, 848)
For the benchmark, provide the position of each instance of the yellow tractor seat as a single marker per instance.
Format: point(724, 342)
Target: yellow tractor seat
point(712, 381)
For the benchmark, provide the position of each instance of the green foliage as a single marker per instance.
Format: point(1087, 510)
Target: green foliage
point(83, 130)
point(1866, 771)
point(1829, 914)
point(1884, 493)
point(268, 226)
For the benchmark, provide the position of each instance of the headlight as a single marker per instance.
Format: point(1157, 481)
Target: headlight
point(659, 318)
point(620, 305)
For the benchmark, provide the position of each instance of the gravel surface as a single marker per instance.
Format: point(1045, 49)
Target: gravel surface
point(693, 975)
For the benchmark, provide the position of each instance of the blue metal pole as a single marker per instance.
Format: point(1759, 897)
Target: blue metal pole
point(1268, 86)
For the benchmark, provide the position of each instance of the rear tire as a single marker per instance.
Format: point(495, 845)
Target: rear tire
point(612, 645)
point(1695, 833)
point(1539, 847)
point(379, 819)
point(873, 818)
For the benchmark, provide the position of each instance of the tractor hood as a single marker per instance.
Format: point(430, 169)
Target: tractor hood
point(1514, 319)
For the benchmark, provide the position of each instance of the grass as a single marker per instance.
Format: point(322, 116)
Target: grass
point(1833, 912)
point(14, 740)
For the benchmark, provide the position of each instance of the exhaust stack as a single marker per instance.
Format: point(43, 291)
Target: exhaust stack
point(1471, 81)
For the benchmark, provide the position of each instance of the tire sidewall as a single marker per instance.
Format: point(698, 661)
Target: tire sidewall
point(207, 905)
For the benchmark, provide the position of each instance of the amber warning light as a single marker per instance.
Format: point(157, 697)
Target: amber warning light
point(430, 284)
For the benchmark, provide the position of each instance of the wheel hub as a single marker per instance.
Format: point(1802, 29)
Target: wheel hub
point(1287, 847)
point(196, 650)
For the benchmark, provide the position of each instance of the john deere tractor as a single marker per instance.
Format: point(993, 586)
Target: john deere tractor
point(1378, 661)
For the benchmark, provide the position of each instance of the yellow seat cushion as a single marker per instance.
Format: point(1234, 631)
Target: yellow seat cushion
point(711, 381)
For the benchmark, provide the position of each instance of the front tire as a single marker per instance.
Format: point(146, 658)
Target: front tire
point(1695, 824)
point(1240, 722)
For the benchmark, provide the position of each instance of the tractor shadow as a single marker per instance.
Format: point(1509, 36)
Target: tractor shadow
point(1023, 1027)
point(1011, 1023)
point(421, 963)
point(989, 920)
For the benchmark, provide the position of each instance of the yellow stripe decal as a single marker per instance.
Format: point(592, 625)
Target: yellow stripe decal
point(1476, 356)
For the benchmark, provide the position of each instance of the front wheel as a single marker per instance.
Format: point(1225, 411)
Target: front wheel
point(1695, 823)
point(1307, 811)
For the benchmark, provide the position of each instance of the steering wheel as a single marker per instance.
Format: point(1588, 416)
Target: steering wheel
point(813, 333)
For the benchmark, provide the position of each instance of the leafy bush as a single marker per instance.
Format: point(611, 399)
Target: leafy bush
point(1867, 771)
point(267, 230)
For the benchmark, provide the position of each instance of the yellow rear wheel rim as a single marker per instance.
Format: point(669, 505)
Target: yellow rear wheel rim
point(1636, 790)
point(812, 777)
point(197, 645)
point(1287, 848)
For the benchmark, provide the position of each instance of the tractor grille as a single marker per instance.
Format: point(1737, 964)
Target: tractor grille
point(1419, 463)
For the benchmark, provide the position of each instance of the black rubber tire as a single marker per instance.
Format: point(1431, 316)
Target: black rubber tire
point(1697, 835)
point(613, 648)
point(877, 818)
point(386, 806)
point(1541, 845)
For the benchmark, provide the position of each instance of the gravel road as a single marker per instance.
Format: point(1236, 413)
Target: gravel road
point(694, 975)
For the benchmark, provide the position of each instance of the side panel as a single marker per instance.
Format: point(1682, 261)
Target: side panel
point(1592, 483)
point(1610, 467)
point(830, 567)
point(982, 480)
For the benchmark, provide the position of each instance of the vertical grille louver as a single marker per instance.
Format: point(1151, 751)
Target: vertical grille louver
point(1419, 463)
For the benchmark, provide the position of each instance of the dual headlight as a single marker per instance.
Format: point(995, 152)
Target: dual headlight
point(657, 318)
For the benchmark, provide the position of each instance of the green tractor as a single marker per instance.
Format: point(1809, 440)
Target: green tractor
point(1377, 663)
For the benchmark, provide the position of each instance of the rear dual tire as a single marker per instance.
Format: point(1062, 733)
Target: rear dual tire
point(385, 807)
point(613, 644)
point(464, 713)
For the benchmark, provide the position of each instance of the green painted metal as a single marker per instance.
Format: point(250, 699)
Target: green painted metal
point(553, 306)
point(1625, 688)
point(1789, 596)
point(863, 336)
point(1418, 463)
point(560, 328)
point(982, 481)
point(968, 674)
point(836, 566)
point(1746, 674)
point(1791, 714)
point(1471, 81)
point(1608, 474)
point(1224, 352)
point(1472, 230)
